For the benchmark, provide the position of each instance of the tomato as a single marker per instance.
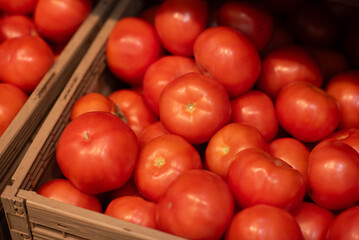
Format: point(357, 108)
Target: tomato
point(152, 131)
point(345, 88)
point(11, 101)
point(345, 225)
point(251, 19)
point(313, 220)
point(97, 152)
point(70, 13)
point(18, 6)
point(280, 37)
point(333, 175)
point(64, 191)
point(285, 65)
point(160, 73)
point(133, 209)
point(149, 13)
point(194, 107)
point(229, 57)
point(132, 46)
point(178, 24)
point(256, 109)
point(197, 205)
point(91, 102)
point(13, 26)
point(24, 61)
point(263, 221)
point(349, 136)
point(161, 161)
point(224, 145)
point(307, 112)
point(272, 181)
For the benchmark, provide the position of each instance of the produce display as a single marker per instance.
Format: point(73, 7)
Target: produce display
point(236, 120)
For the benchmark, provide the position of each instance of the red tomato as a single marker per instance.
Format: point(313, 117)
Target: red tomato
point(161, 161)
point(345, 88)
point(307, 112)
point(263, 222)
point(160, 73)
point(250, 19)
point(257, 177)
point(280, 37)
point(152, 131)
point(349, 136)
point(313, 220)
point(11, 101)
point(92, 102)
point(132, 47)
point(13, 26)
point(133, 209)
point(24, 61)
point(132, 105)
point(58, 20)
point(345, 225)
point(285, 65)
point(62, 190)
point(229, 57)
point(256, 109)
point(178, 24)
point(333, 175)
point(293, 152)
point(18, 6)
point(197, 205)
point(224, 145)
point(97, 152)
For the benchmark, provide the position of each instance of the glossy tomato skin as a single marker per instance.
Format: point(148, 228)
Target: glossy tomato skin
point(272, 181)
point(345, 225)
point(133, 209)
point(252, 20)
point(262, 222)
point(333, 175)
point(196, 211)
point(194, 107)
point(64, 191)
point(16, 25)
point(227, 142)
point(97, 152)
point(349, 136)
point(287, 64)
point(161, 161)
point(133, 45)
point(313, 220)
point(11, 101)
point(256, 109)
point(345, 88)
point(307, 112)
point(221, 50)
point(178, 24)
point(49, 13)
point(25, 60)
point(18, 7)
point(151, 132)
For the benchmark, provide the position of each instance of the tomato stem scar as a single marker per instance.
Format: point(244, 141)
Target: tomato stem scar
point(159, 161)
point(190, 107)
point(87, 138)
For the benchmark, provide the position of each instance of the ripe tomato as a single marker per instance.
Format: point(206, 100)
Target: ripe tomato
point(49, 14)
point(24, 61)
point(250, 19)
point(133, 209)
point(194, 107)
point(132, 47)
point(18, 6)
point(12, 26)
point(345, 88)
point(256, 109)
point(272, 181)
point(161, 161)
point(151, 132)
point(307, 112)
point(313, 220)
point(285, 65)
point(333, 175)
point(263, 222)
point(197, 205)
point(345, 225)
point(11, 101)
point(229, 57)
point(160, 73)
point(227, 142)
point(178, 24)
point(349, 136)
point(62, 190)
point(97, 152)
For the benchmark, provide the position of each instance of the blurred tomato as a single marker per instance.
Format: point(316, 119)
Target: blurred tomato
point(345, 225)
point(151, 132)
point(18, 6)
point(148, 14)
point(12, 26)
point(280, 37)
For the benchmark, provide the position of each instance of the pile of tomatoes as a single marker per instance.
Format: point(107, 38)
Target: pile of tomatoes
point(240, 121)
